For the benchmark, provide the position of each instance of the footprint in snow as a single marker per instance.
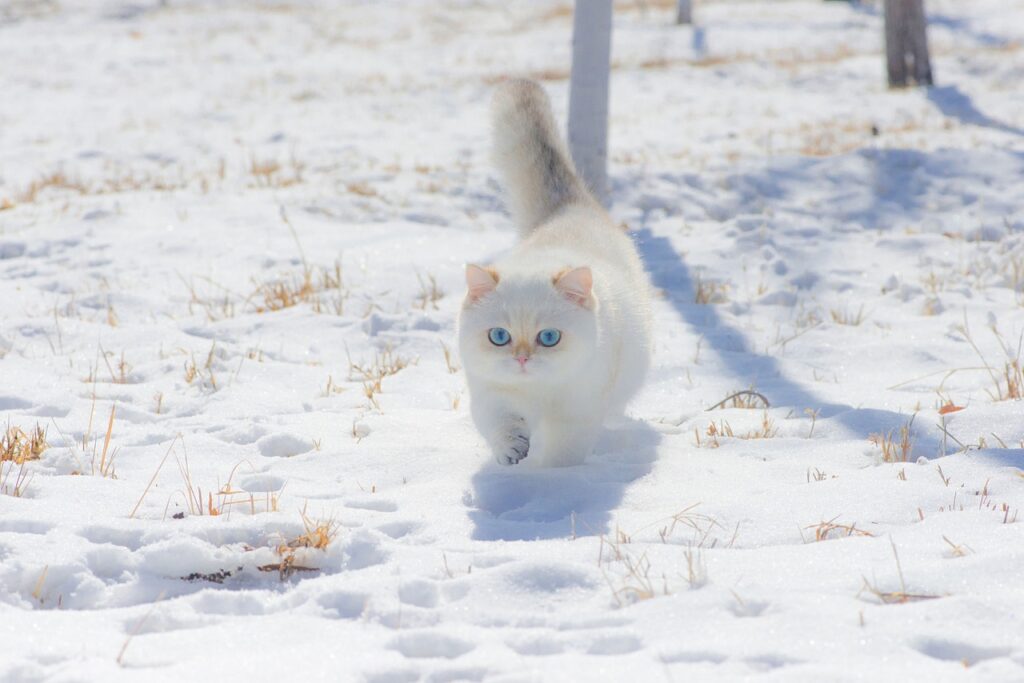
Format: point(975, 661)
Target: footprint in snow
point(24, 526)
point(617, 644)
point(447, 675)
point(693, 657)
point(283, 446)
point(12, 403)
point(372, 503)
point(419, 593)
point(52, 411)
point(398, 530)
point(243, 436)
point(430, 644)
point(129, 539)
point(539, 646)
point(749, 608)
point(343, 604)
point(953, 651)
point(768, 662)
point(394, 676)
point(261, 483)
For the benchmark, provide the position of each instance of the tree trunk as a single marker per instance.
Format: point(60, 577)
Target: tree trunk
point(906, 43)
point(588, 92)
point(684, 12)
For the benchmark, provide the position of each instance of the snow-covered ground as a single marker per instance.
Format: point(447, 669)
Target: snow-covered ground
point(169, 176)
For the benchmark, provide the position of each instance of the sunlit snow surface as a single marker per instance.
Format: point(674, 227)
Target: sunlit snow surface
point(162, 166)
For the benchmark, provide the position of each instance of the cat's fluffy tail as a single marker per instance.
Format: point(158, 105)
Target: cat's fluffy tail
point(535, 166)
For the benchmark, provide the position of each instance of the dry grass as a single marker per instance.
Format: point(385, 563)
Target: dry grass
point(217, 302)
point(449, 361)
point(18, 446)
point(842, 316)
point(1012, 387)
point(1009, 513)
point(830, 142)
point(332, 388)
point(899, 597)
point(549, 75)
point(699, 525)
point(362, 189)
point(828, 137)
point(56, 180)
point(119, 373)
point(958, 549)
point(429, 293)
point(202, 375)
point(715, 432)
point(896, 445)
point(360, 430)
point(170, 449)
point(101, 461)
point(321, 288)
point(932, 307)
point(224, 499)
point(317, 535)
point(122, 181)
point(696, 567)
point(746, 399)
point(272, 173)
point(633, 572)
point(789, 60)
point(385, 364)
point(370, 391)
point(710, 292)
point(814, 474)
point(1007, 383)
point(19, 485)
point(813, 414)
point(455, 401)
point(824, 531)
point(629, 574)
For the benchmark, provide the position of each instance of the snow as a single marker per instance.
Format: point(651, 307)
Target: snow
point(196, 151)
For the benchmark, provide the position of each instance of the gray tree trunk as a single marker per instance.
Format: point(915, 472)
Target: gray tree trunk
point(684, 12)
point(906, 43)
point(588, 92)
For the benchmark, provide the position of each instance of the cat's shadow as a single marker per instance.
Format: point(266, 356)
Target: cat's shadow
point(526, 503)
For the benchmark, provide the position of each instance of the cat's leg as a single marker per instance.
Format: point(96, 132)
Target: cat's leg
point(511, 441)
point(505, 432)
point(564, 441)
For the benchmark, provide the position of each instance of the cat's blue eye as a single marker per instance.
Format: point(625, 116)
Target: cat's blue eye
point(548, 337)
point(499, 336)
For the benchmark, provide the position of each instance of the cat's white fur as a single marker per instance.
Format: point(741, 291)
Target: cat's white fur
point(574, 270)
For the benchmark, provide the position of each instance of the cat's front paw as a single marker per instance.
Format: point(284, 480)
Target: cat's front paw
point(515, 448)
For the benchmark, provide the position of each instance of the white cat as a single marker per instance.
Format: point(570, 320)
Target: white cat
point(555, 336)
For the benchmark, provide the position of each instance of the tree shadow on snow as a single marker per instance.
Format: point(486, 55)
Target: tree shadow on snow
point(952, 102)
point(523, 503)
point(670, 273)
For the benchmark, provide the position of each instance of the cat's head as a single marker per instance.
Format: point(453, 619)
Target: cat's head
point(522, 328)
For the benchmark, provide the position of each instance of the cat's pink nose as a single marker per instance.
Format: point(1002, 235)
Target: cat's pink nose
point(522, 361)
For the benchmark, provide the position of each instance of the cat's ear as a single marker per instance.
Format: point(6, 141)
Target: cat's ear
point(576, 285)
point(480, 281)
